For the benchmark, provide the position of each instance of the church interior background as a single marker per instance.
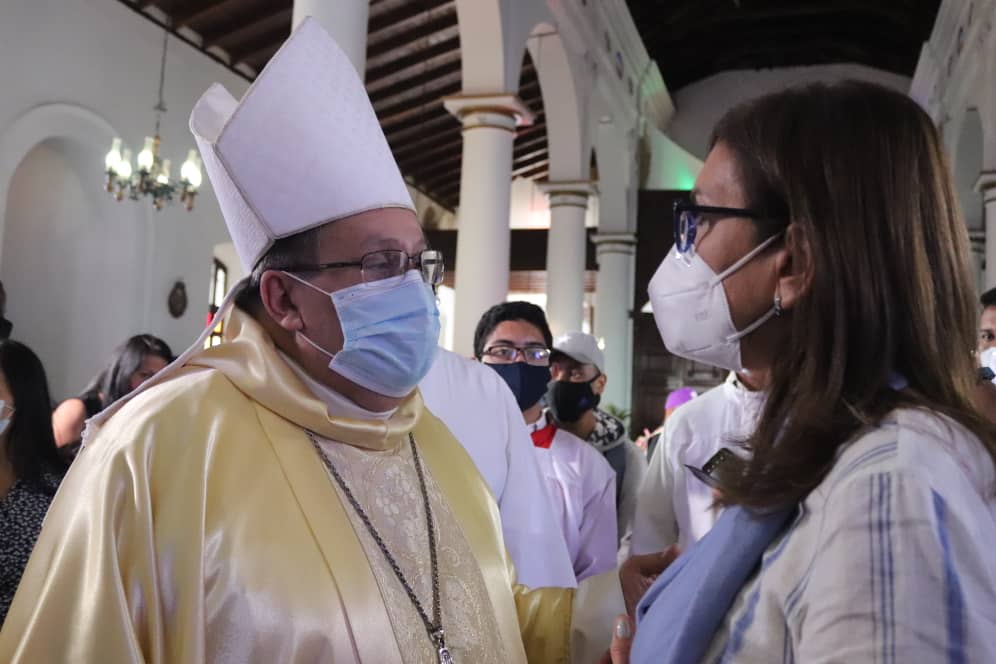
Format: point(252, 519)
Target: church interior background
point(543, 141)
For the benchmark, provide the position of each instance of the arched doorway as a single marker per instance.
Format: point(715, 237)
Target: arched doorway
point(73, 261)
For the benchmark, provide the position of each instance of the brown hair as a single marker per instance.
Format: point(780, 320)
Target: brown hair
point(860, 173)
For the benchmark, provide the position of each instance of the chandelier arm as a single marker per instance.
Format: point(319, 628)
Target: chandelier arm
point(160, 107)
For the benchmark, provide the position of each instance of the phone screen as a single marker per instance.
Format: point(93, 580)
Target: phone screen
point(709, 472)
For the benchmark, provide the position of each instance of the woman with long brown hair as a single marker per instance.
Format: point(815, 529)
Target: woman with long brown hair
point(823, 241)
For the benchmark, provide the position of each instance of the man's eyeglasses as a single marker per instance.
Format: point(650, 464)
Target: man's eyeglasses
point(692, 221)
point(388, 264)
point(507, 354)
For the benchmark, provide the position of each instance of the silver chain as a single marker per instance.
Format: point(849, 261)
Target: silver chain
point(433, 627)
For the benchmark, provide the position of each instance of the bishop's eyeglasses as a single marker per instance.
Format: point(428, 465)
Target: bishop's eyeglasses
point(388, 264)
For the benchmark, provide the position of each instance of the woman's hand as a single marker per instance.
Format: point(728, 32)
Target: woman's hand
point(622, 641)
point(637, 574)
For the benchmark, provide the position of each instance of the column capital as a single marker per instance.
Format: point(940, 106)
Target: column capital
point(986, 185)
point(497, 111)
point(626, 239)
point(614, 243)
point(571, 193)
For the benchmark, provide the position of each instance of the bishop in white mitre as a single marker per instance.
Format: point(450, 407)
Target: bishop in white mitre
point(285, 496)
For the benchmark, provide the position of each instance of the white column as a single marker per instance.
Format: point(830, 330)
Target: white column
point(565, 254)
point(613, 312)
point(345, 20)
point(987, 186)
point(483, 232)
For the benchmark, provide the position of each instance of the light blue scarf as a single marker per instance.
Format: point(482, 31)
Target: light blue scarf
point(679, 615)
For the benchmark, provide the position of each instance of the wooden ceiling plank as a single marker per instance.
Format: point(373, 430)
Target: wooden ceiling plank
point(274, 38)
point(404, 12)
point(198, 10)
point(376, 47)
point(390, 65)
point(430, 100)
point(258, 26)
point(432, 144)
point(425, 79)
point(531, 170)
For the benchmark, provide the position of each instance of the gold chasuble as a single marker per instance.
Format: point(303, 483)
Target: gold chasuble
point(199, 524)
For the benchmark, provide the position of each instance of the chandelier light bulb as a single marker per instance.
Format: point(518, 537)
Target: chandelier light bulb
point(113, 157)
point(163, 177)
point(190, 172)
point(124, 166)
point(147, 157)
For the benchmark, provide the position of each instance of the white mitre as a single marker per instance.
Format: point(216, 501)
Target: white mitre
point(301, 149)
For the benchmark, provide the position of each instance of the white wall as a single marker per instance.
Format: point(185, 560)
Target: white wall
point(701, 105)
point(670, 166)
point(82, 272)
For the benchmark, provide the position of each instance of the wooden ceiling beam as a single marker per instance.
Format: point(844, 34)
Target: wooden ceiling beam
point(444, 180)
point(446, 165)
point(198, 10)
point(404, 12)
point(526, 146)
point(423, 79)
point(431, 144)
point(258, 59)
point(432, 99)
point(521, 170)
point(263, 26)
point(378, 46)
point(537, 173)
point(435, 122)
point(529, 158)
point(428, 94)
point(412, 58)
point(431, 159)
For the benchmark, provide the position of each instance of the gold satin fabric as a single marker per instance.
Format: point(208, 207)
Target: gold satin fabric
point(199, 525)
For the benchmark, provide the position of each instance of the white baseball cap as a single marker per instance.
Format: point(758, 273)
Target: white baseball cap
point(580, 347)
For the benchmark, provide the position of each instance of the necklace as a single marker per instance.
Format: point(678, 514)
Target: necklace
point(433, 627)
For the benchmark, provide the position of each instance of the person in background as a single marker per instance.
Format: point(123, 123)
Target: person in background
point(673, 506)
point(5, 325)
point(481, 412)
point(514, 339)
point(134, 362)
point(860, 527)
point(31, 465)
point(987, 321)
point(577, 365)
point(675, 400)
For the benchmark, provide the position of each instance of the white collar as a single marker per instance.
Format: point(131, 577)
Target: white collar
point(539, 424)
point(338, 405)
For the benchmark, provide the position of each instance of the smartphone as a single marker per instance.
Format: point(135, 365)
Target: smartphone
point(709, 473)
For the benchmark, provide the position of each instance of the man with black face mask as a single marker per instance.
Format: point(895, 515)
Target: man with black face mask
point(514, 339)
point(573, 399)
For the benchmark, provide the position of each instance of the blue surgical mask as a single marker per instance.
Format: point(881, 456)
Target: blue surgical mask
point(390, 330)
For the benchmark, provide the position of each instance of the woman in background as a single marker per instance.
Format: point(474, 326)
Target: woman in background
point(31, 465)
point(138, 360)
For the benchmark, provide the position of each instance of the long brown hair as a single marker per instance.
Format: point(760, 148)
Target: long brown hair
point(860, 173)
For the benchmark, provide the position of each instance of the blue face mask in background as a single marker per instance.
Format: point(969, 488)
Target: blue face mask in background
point(527, 382)
point(390, 330)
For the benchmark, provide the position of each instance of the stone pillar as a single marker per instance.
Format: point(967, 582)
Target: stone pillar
point(987, 187)
point(345, 20)
point(565, 254)
point(614, 299)
point(483, 232)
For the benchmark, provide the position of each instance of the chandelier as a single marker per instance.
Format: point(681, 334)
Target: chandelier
point(151, 176)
